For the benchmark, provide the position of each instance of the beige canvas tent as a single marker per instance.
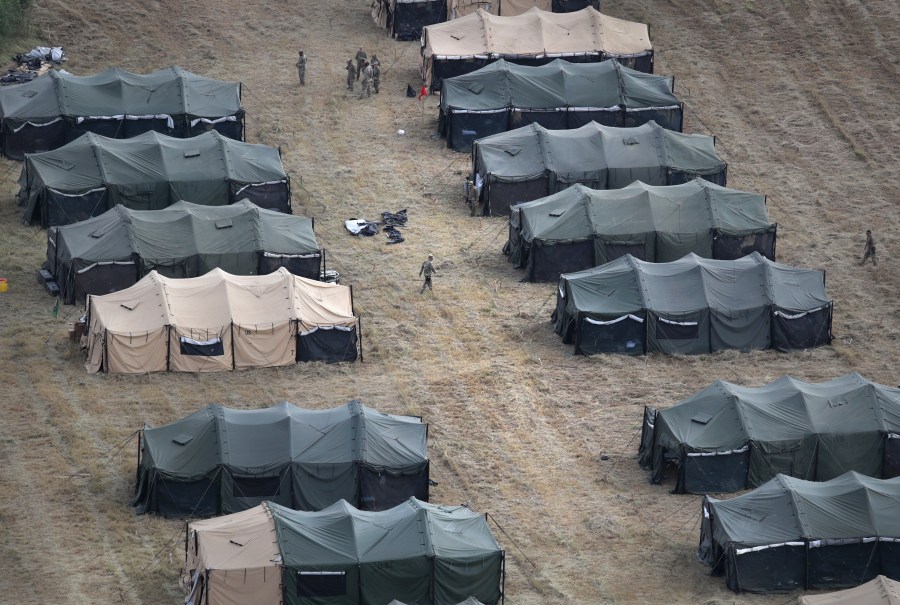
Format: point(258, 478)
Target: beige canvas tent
point(249, 573)
point(218, 322)
point(536, 36)
point(879, 591)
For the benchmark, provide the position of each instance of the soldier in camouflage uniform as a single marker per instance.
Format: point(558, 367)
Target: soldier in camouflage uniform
point(360, 61)
point(301, 68)
point(365, 87)
point(351, 74)
point(471, 195)
point(428, 270)
point(376, 75)
point(870, 249)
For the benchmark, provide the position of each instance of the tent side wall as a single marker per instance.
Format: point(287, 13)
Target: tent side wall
point(19, 137)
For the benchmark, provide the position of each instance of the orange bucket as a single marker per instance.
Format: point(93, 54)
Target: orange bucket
point(4, 284)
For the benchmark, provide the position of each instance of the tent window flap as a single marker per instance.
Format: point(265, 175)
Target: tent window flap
point(312, 584)
point(207, 348)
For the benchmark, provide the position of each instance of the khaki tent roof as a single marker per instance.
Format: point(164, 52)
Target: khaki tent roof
point(535, 33)
point(507, 8)
point(880, 591)
point(219, 299)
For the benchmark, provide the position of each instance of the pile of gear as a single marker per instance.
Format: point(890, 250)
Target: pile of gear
point(390, 220)
point(32, 64)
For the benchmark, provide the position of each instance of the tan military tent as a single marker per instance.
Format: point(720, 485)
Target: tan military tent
point(880, 591)
point(469, 43)
point(219, 321)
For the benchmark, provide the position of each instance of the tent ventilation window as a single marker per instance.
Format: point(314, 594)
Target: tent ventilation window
point(312, 584)
point(630, 141)
point(557, 212)
point(701, 418)
point(182, 439)
point(29, 93)
point(191, 153)
point(224, 223)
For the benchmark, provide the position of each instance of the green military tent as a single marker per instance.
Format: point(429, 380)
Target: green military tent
point(532, 162)
point(113, 251)
point(59, 107)
point(560, 94)
point(790, 534)
point(729, 437)
point(414, 553)
point(151, 171)
point(222, 460)
point(692, 305)
point(579, 228)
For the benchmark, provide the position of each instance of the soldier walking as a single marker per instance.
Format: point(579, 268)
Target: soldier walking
point(301, 68)
point(376, 75)
point(427, 270)
point(870, 249)
point(365, 88)
point(351, 74)
point(360, 61)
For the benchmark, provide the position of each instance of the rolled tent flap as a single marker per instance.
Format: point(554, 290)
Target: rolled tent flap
point(214, 322)
point(414, 552)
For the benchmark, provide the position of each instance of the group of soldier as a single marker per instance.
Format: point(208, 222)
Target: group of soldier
point(368, 73)
point(363, 70)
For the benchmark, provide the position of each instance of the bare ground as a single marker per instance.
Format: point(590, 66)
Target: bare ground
point(803, 96)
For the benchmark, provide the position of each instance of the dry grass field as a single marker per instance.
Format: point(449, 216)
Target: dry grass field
point(803, 96)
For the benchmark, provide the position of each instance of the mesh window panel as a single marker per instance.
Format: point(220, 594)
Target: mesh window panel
point(104, 279)
point(614, 251)
point(107, 128)
point(549, 261)
point(727, 247)
point(466, 127)
point(189, 498)
point(319, 584)
point(256, 487)
point(132, 128)
point(381, 491)
point(677, 331)
point(625, 337)
point(450, 68)
point(31, 139)
point(889, 553)
point(677, 177)
point(806, 332)
point(65, 210)
point(891, 459)
point(577, 119)
point(725, 473)
point(771, 570)
point(506, 194)
point(411, 17)
point(667, 118)
point(842, 566)
point(330, 346)
point(570, 6)
point(272, 196)
point(205, 349)
point(304, 267)
point(554, 120)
